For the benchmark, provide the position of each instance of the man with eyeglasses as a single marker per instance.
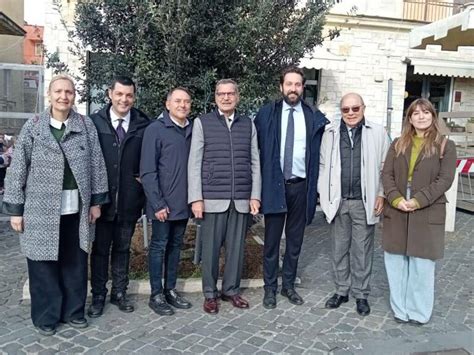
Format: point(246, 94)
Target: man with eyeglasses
point(289, 137)
point(350, 190)
point(223, 187)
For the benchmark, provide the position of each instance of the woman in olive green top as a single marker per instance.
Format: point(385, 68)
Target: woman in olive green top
point(418, 170)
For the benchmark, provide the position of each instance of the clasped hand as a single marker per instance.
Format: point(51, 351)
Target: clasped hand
point(407, 206)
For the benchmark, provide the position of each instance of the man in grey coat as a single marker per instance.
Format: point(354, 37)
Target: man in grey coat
point(224, 185)
point(351, 196)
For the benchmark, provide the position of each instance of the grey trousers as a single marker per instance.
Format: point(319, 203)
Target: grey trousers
point(352, 249)
point(226, 229)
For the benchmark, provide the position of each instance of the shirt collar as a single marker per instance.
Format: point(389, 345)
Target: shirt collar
point(297, 107)
point(115, 117)
point(56, 123)
point(231, 117)
point(177, 123)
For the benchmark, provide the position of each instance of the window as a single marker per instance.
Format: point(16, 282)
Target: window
point(39, 49)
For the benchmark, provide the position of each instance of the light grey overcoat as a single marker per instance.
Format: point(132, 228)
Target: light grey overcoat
point(33, 184)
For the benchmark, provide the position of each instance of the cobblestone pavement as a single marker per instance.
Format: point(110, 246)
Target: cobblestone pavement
point(309, 329)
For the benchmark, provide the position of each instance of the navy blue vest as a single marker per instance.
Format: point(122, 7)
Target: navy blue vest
point(226, 165)
point(350, 163)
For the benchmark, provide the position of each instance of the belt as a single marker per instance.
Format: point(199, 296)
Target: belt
point(294, 180)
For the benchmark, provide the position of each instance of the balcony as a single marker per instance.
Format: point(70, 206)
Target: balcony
point(430, 11)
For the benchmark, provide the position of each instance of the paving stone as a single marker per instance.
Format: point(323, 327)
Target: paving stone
point(308, 329)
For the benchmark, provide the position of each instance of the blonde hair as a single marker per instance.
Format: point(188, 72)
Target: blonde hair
point(61, 77)
point(432, 137)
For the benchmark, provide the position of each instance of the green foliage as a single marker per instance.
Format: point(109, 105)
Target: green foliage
point(162, 44)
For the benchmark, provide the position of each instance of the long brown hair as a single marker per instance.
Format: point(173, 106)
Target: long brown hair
point(432, 139)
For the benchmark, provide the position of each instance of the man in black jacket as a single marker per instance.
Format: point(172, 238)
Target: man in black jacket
point(120, 127)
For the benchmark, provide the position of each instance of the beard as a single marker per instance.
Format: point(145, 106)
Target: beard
point(292, 102)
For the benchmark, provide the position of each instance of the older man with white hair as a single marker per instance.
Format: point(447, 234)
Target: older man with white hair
point(351, 195)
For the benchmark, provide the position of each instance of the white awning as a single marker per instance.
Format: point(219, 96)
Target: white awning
point(443, 67)
point(450, 33)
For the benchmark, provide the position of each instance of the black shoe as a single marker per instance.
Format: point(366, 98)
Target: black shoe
point(336, 300)
point(269, 299)
point(78, 323)
point(46, 330)
point(363, 307)
point(415, 322)
point(176, 300)
point(121, 301)
point(96, 309)
point(159, 306)
point(292, 296)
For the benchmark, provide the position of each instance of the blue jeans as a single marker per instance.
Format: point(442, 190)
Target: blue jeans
point(411, 282)
point(165, 248)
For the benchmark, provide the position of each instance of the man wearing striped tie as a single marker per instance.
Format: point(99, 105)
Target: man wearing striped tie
point(120, 127)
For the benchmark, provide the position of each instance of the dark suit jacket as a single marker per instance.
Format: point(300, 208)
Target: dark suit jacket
point(268, 125)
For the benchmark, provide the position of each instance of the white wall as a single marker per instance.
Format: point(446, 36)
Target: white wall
point(56, 39)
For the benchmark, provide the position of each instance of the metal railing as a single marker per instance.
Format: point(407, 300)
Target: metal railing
point(430, 11)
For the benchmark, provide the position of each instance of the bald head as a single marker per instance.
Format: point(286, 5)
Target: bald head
point(354, 96)
point(352, 109)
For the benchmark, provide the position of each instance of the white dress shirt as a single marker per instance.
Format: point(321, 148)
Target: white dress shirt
point(299, 147)
point(69, 198)
point(115, 120)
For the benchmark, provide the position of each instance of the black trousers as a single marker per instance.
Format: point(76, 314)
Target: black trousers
point(294, 230)
point(58, 289)
point(117, 235)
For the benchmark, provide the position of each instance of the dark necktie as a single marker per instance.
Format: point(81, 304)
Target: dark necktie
point(289, 142)
point(120, 130)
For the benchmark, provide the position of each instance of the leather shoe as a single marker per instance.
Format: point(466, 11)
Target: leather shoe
point(269, 299)
point(46, 330)
point(121, 301)
point(292, 296)
point(211, 306)
point(415, 322)
point(176, 300)
point(78, 323)
point(159, 306)
point(336, 300)
point(363, 307)
point(96, 309)
point(236, 300)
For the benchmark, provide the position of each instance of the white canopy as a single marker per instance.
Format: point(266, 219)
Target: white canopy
point(450, 33)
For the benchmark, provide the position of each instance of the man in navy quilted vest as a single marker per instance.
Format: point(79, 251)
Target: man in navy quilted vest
point(223, 188)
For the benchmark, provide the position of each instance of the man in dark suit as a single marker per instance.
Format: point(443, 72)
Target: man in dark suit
point(289, 135)
point(120, 127)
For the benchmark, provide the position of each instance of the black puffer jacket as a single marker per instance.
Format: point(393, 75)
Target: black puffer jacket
point(123, 165)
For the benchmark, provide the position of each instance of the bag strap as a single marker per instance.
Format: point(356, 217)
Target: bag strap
point(443, 146)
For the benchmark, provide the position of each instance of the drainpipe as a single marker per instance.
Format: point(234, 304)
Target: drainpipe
point(389, 106)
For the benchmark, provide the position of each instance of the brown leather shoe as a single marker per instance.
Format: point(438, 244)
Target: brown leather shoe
point(211, 306)
point(237, 301)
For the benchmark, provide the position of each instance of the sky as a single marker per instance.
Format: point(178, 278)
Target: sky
point(34, 12)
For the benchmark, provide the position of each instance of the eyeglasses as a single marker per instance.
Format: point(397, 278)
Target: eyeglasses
point(223, 94)
point(354, 109)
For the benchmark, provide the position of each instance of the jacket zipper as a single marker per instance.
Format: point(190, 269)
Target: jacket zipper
point(231, 160)
point(352, 166)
